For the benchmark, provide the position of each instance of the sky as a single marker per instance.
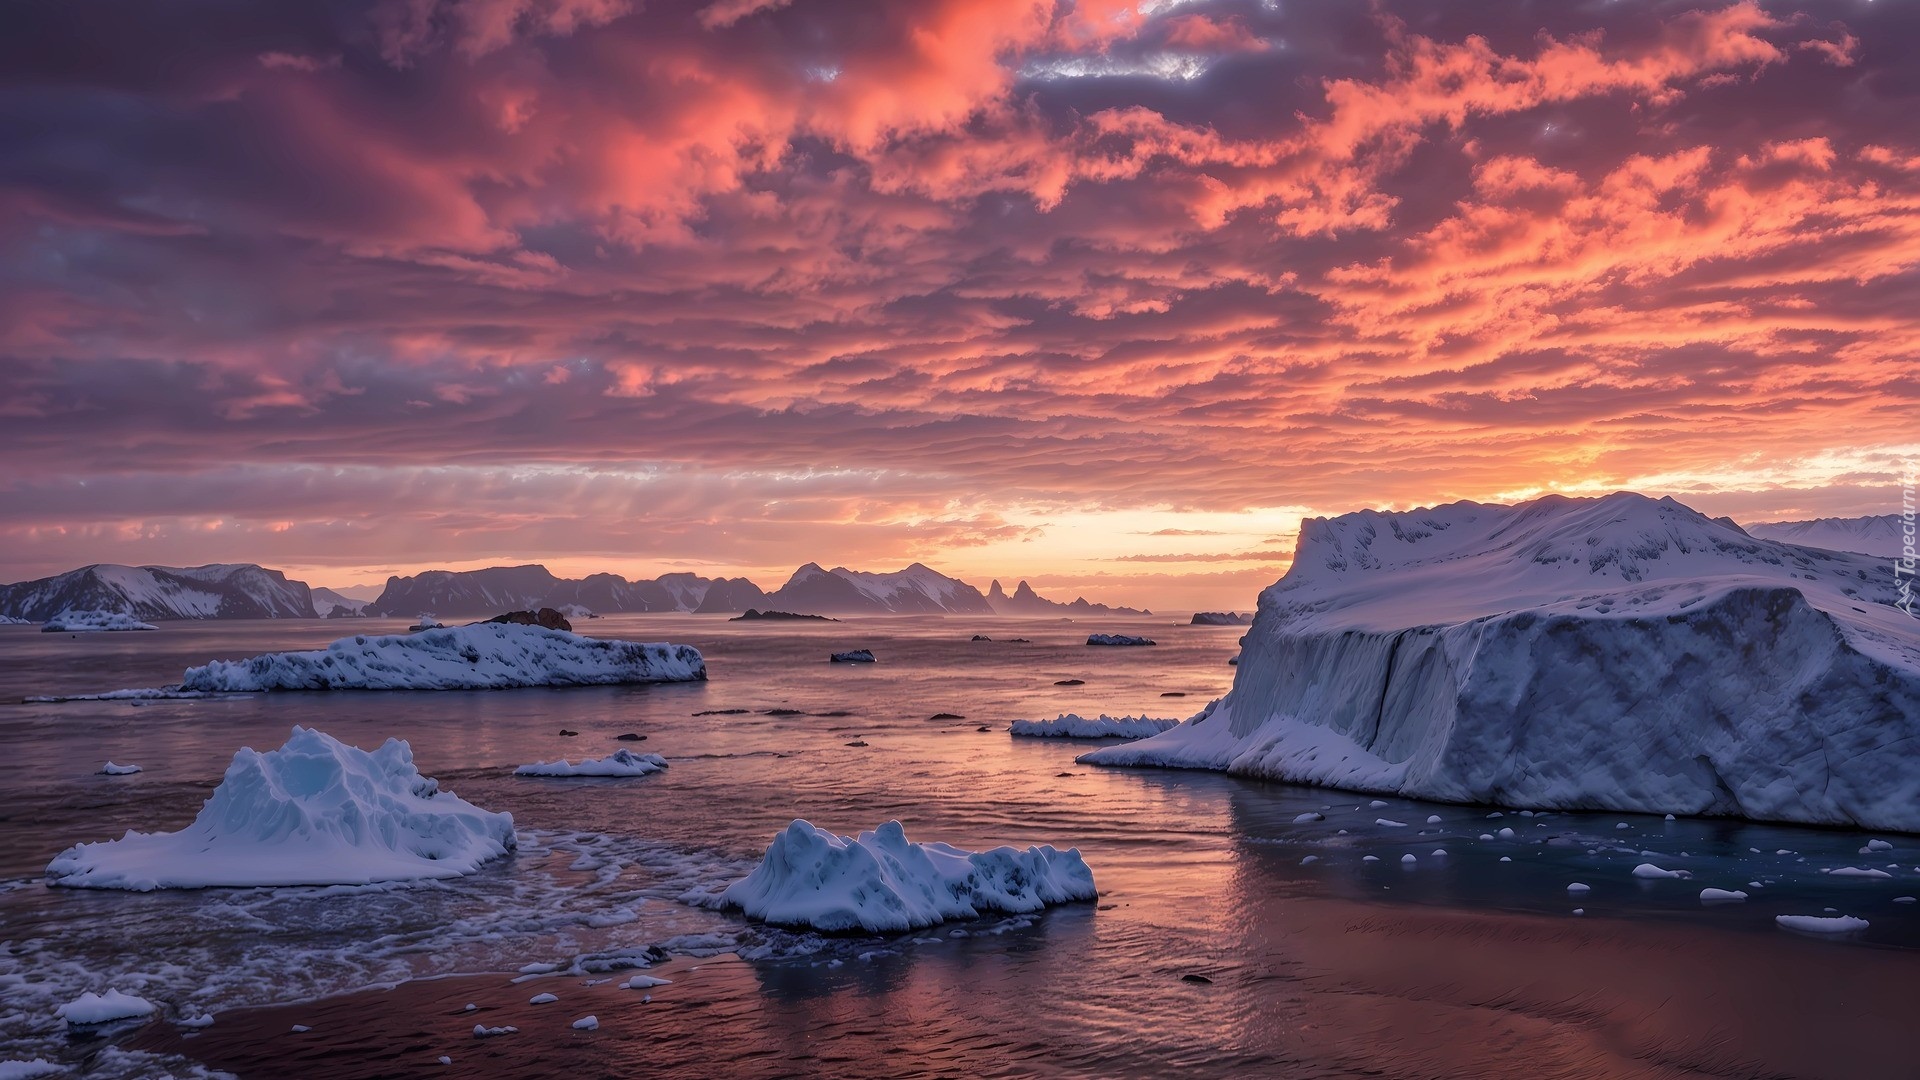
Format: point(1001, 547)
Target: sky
point(1102, 295)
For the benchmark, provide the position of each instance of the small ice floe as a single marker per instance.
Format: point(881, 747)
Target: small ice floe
point(881, 881)
point(1821, 924)
point(1669, 817)
point(1433, 819)
point(644, 982)
point(621, 762)
point(110, 769)
point(543, 999)
point(91, 1008)
point(1904, 899)
point(1118, 639)
point(1376, 804)
point(1506, 858)
point(542, 968)
point(1621, 825)
point(852, 656)
point(1075, 726)
point(445, 1060)
point(1309, 860)
point(1876, 845)
point(1649, 871)
point(1506, 834)
point(91, 622)
point(1579, 911)
point(587, 1023)
point(314, 812)
point(1311, 815)
point(1409, 859)
point(1390, 823)
point(482, 1031)
point(301, 1029)
point(1370, 858)
point(1579, 887)
point(1722, 896)
point(1855, 871)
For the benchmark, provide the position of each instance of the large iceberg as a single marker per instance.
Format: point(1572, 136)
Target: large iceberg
point(1620, 653)
point(314, 812)
point(484, 656)
point(880, 881)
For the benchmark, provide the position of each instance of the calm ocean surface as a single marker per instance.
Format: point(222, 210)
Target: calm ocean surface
point(1456, 965)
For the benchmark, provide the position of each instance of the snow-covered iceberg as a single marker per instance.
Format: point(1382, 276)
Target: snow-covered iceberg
point(1620, 653)
point(1075, 726)
point(90, 1008)
point(621, 762)
point(485, 656)
point(314, 812)
point(880, 881)
point(88, 622)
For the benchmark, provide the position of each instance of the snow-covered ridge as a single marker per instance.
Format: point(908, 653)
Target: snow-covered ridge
point(93, 622)
point(1882, 534)
point(218, 591)
point(314, 812)
point(1075, 726)
point(919, 589)
point(484, 656)
point(1617, 653)
point(880, 881)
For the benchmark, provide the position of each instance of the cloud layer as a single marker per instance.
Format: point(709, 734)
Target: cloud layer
point(745, 282)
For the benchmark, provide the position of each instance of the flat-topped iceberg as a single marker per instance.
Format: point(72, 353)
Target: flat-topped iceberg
point(91, 622)
point(1621, 653)
point(314, 812)
point(1074, 726)
point(879, 881)
point(485, 656)
point(622, 762)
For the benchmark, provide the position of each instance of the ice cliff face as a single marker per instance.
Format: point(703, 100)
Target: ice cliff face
point(1618, 653)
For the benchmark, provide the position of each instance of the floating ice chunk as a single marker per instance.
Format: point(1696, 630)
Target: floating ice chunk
point(91, 1008)
point(1389, 823)
point(1376, 804)
point(445, 1060)
point(880, 881)
point(482, 1031)
point(644, 982)
point(1300, 819)
point(1820, 924)
point(314, 812)
point(1309, 859)
point(1506, 858)
point(201, 1021)
point(1721, 896)
point(299, 1029)
point(622, 762)
point(1117, 639)
point(1433, 819)
point(1486, 836)
point(1408, 860)
point(90, 622)
point(1876, 845)
point(485, 656)
point(1855, 871)
point(1669, 817)
point(1506, 834)
point(1650, 871)
point(1370, 858)
point(1621, 825)
point(110, 769)
point(1439, 851)
point(587, 1023)
point(1579, 887)
point(1903, 899)
point(1075, 726)
point(543, 999)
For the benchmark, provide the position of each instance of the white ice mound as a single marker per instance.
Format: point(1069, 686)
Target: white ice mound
point(484, 656)
point(91, 1008)
point(1074, 726)
point(314, 812)
point(881, 882)
point(87, 622)
point(621, 762)
point(1620, 653)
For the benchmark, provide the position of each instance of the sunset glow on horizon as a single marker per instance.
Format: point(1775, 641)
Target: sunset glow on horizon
point(1100, 295)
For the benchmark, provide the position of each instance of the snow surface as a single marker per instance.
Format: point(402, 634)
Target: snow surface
point(880, 881)
point(1074, 726)
point(1880, 535)
point(1117, 639)
point(87, 622)
point(92, 1008)
point(314, 812)
point(621, 762)
point(27, 1070)
point(110, 769)
point(1620, 653)
point(484, 656)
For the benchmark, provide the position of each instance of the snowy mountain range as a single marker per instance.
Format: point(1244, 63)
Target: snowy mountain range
point(330, 604)
point(1620, 653)
point(916, 590)
point(1025, 601)
point(453, 593)
point(1881, 535)
point(216, 591)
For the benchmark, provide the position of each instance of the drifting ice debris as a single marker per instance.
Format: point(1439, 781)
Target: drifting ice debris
point(1075, 726)
point(110, 769)
point(622, 762)
point(89, 622)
